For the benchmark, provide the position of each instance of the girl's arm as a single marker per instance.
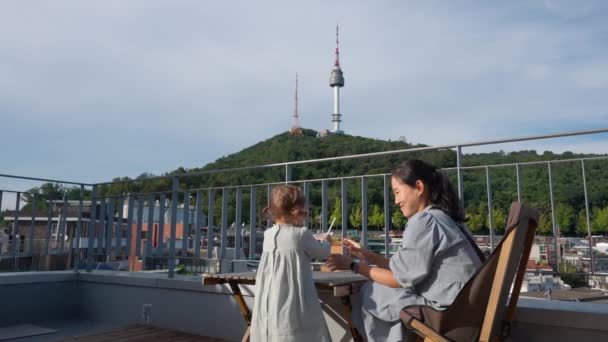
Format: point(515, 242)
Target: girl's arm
point(315, 248)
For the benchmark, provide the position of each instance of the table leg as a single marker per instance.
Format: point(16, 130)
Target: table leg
point(238, 296)
point(353, 331)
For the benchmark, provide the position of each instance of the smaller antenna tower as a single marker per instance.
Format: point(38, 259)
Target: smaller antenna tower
point(295, 127)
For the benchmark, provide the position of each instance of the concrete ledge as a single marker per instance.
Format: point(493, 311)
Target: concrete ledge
point(156, 280)
point(562, 314)
point(14, 278)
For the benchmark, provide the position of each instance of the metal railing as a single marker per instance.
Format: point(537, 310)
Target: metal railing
point(108, 214)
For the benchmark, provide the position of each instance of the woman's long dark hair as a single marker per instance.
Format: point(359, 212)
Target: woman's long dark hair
point(440, 190)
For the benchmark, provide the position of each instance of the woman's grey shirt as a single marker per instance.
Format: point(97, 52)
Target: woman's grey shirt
point(433, 264)
point(435, 259)
point(286, 305)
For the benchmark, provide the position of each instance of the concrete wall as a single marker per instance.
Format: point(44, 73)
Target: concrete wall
point(37, 296)
point(183, 304)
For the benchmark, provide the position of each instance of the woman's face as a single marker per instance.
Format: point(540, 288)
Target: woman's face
point(409, 199)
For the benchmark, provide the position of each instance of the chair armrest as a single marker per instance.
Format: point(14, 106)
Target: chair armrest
point(425, 331)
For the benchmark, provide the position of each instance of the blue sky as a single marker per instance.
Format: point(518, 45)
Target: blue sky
point(94, 90)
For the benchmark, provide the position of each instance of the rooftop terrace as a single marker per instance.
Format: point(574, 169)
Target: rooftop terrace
point(51, 257)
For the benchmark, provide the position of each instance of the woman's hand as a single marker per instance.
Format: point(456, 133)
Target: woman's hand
point(323, 237)
point(355, 249)
point(337, 262)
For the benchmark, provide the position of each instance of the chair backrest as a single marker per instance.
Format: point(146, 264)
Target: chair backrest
point(480, 308)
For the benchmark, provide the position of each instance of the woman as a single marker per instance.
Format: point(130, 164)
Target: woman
point(436, 259)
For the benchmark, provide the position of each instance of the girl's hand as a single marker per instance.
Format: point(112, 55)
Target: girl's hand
point(337, 262)
point(323, 237)
point(355, 249)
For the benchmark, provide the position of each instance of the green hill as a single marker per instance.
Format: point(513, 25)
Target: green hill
point(566, 177)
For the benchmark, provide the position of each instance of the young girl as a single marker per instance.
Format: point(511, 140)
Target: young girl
point(286, 304)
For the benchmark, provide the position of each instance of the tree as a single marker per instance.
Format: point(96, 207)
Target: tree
point(475, 221)
point(500, 220)
point(565, 217)
point(544, 224)
point(398, 220)
point(581, 223)
point(355, 216)
point(337, 213)
point(376, 219)
point(599, 225)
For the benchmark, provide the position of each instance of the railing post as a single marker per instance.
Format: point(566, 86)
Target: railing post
point(185, 224)
point(268, 216)
point(224, 234)
point(387, 215)
point(307, 204)
point(490, 208)
point(364, 211)
point(553, 219)
point(589, 236)
point(161, 224)
point(287, 173)
point(174, 200)
point(252, 224)
point(30, 251)
point(149, 236)
point(78, 229)
point(238, 221)
point(198, 225)
point(344, 200)
point(15, 244)
point(210, 234)
point(459, 171)
point(91, 229)
point(518, 176)
point(128, 248)
point(324, 205)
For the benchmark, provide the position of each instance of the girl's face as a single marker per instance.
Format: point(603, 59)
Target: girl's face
point(409, 199)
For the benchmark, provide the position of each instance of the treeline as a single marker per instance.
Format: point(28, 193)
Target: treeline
point(566, 182)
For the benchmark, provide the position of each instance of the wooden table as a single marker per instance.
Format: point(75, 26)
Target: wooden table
point(342, 284)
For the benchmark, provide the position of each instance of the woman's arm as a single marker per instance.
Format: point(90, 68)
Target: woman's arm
point(378, 274)
point(365, 254)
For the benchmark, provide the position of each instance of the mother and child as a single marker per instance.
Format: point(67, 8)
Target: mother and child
point(436, 259)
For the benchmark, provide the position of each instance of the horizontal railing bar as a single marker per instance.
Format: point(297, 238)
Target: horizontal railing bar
point(553, 161)
point(43, 179)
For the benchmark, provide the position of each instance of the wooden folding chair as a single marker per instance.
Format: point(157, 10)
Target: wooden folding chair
point(480, 311)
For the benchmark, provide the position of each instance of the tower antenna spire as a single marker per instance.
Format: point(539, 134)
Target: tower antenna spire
point(295, 127)
point(337, 48)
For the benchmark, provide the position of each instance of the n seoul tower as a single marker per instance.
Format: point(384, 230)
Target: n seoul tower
point(336, 81)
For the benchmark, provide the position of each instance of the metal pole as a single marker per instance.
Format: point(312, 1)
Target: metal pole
point(224, 236)
point(237, 222)
point(459, 170)
point(15, 245)
point(344, 210)
point(588, 217)
point(287, 173)
point(174, 200)
point(324, 205)
point(252, 225)
point(553, 219)
point(364, 211)
point(30, 250)
point(518, 176)
point(199, 224)
point(387, 216)
point(307, 204)
point(490, 208)
point(91, 228)
point(79, 229)
point(210, 216)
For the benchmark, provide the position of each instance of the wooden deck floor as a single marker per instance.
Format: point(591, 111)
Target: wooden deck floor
point(141, 333)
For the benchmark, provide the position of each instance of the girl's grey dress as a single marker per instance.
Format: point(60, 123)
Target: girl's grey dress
point(432, 266)
point(286, 306)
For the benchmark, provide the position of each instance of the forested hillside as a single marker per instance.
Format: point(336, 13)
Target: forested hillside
point(566, 180)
